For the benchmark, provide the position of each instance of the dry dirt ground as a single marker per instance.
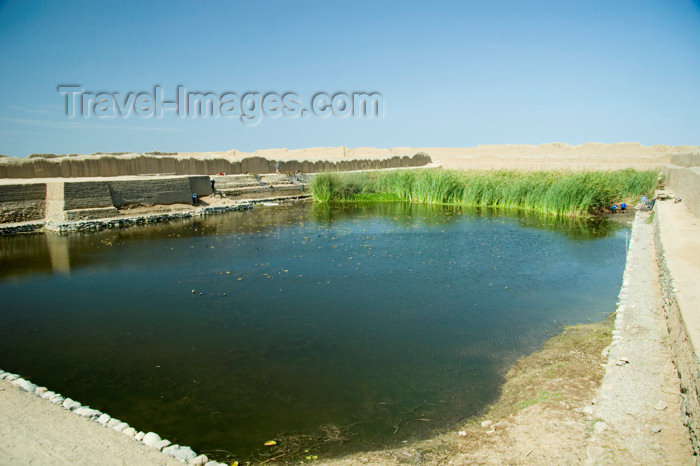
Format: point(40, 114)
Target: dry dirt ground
point(34, 431)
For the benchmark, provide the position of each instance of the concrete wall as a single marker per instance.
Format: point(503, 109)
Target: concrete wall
point(22, 202)
point(108, 166)
point(683, 179)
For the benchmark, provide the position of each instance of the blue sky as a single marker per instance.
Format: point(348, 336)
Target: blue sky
point(451, 74)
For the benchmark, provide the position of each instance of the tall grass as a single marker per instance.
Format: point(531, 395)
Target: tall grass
point(338, 187)
point(560, 193)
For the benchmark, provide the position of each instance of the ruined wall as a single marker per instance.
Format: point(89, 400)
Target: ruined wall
point(67, 200)
point(152, 191)
point(108, 166)
point(22, 202)
point(683, 179)
point(200, 185)
point(86, 195)
point(687, 159)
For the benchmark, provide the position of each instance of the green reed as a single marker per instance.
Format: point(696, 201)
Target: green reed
point(560, 193)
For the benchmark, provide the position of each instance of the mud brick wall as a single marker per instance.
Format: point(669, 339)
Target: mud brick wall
point(107, 166)
point(22, 202)
point(683, 178)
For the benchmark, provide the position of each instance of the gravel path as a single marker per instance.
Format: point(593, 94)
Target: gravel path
point(637, 417)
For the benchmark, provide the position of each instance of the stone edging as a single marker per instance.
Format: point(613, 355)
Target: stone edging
point(682, 351)
point(23, 227)
point(119, 222)
point(127, 221)
point(150, 439)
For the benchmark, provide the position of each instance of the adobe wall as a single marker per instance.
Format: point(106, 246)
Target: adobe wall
point(130, 165)
point(688, 159)
point(86, 195)
point(67, 200)
point(152, 191)
point(683, 179)
point(22, 202)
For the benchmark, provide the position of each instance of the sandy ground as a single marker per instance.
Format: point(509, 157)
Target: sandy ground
point(557, 155)
point(485, 156)
point(35, 431)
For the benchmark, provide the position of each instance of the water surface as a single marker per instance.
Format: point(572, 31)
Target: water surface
point(388, 320)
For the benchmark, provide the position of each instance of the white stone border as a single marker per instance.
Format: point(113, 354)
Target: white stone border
point(151, 439)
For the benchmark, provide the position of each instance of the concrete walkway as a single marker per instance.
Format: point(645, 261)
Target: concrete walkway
point(679, 233)
point(678, 254)
point(637, 418)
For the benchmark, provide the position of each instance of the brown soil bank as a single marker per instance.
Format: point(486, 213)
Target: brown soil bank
point(591, 156)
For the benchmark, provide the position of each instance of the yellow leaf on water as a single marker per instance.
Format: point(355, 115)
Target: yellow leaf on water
point(270, 443)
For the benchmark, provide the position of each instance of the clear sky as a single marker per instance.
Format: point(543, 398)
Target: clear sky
point(450, 74)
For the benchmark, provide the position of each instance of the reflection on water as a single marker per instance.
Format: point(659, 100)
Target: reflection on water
point(224, 332)
point(33, 253)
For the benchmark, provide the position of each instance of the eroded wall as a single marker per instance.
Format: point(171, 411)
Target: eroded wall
point(65, 200)
point(683, 179)
point(22, 202)
point(148, 192)
point(130, 165)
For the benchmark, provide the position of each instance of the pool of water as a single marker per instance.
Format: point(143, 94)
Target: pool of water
point(385, 322)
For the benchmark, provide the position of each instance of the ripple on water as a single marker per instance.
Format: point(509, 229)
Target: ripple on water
point(360, 316)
